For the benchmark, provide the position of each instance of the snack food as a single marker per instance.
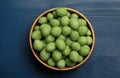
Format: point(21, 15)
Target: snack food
point(64, 38)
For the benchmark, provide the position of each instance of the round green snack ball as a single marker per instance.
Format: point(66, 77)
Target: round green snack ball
point(88, 33)
point(46, 29)
point(75, 46)
point(36, 35)
point(50, 16)
point(64, 21)
point(66, 30)
point(66, 51)
point(54, 14)
point(74, 56)
point(42, 20)
point(74, 23)
point(37, 28)
point(61, 64)
point(84, 51)
point(80, 58)
point(74, 35)
point(61, 11)
point(41, 26)
point(44, 55)
point(68, 14)
point(50, 47)
point(62, 37)
point(49, 39)
point(38, 45)
point(51, 62)
point(60, 44)
point(57, 55)
point(74, 16)
point(82, 40)
point(56, 31)
point(68, 41)
point(54, 22)
point(82, 30)
point(68, 62)
point(82, 22)
point(89, 40)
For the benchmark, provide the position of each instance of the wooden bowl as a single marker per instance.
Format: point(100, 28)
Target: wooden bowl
point(66, 68)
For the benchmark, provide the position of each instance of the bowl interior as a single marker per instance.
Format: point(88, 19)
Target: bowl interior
point(36, 54)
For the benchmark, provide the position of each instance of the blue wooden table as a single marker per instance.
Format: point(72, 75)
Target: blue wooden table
point(17, 60)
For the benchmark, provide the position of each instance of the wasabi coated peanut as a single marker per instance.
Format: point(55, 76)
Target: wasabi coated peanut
point(41, 26)
point(80, 58)
point(69, 62)
point(54, 22)
point(75, 46)
point(74, 23)
point(62, 37)
point(42, 20)
point(68, 14)
point(36, 35)
point(89, 40)
point(51, 62)
point(74, 56)
point(38, 45)
point(54, 14)
point(49, 39)
point(46, 29)
point(82, 40)
point(44, 55)
point(74, 16)
point(66, 51)
point(50, 16)
point(50, 47)
point(84, 51)
point(60, 44)
point(61, 63)
point(68, 41)
point(88, 33)
point(74, 35)
point(61, 11)
point(82, 30)
point(66, 30)
point(82, 22)
point(64, 21)
point(57, 55)
point(37, 28)
point(56, 31)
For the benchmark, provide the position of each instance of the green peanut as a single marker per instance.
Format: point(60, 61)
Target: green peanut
point(84, 51)
point(61, 64)
point(75, 46)
point(57, 55)
point(60, 44)
point(74, 35)
point(44, 55)
point(50, 47)
point(42, 20)
point(56, 31)
point(38, 45)
point(36, 35)
point(61, 11)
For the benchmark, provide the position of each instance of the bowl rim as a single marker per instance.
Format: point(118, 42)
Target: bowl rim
point(66, 68)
